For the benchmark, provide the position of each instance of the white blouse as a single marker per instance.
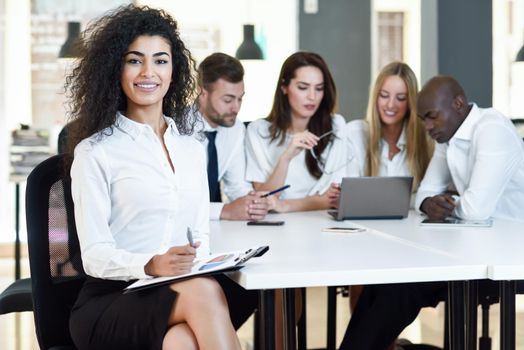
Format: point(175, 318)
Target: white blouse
point(358, 135)
point(263, 154)
point(130, 205)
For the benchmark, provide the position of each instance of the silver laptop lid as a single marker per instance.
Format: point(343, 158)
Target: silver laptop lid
point(375, 197)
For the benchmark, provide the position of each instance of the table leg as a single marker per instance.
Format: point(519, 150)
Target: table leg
point(331, 319)
point(17, 231)
point(507, 315)
point(267, 314)
point(471, 315)
point(301, 324)
point(289, 319)
point(456, 299)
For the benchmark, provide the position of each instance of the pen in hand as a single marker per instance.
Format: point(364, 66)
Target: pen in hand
point(190, 238)
point(275, 191)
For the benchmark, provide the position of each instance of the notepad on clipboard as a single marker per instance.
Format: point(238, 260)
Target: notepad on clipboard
point(210, 265)
point(456, 222)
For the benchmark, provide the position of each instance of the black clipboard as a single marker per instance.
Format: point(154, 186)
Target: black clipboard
point(214, 264)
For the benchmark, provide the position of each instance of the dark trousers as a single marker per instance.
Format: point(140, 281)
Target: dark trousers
point(383, 311)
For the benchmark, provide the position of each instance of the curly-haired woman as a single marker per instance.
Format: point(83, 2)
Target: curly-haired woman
point(139, 183)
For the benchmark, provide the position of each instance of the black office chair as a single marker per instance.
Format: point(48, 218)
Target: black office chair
point(519, 125)
point(54, 254)
point(17, 297)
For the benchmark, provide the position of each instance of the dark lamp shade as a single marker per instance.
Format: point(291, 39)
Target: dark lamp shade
point(249, 49)
point(520, 55)
point(73, 45)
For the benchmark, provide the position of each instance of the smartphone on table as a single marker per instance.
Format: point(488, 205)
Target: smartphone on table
point(343, 229)
point(265, 223)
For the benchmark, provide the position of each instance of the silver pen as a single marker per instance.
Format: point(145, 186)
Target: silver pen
point(190, 237)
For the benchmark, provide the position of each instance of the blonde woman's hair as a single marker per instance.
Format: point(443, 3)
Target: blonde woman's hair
point(419, 147)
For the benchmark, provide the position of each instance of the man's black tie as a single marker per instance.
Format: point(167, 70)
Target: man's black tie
point(212, 168)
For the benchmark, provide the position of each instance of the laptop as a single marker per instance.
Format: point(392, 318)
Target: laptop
point(374, 197)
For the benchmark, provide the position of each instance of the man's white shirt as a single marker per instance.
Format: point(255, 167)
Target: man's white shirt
point(484, 160)
point(231, 162)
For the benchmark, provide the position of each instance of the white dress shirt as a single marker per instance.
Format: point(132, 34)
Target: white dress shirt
point(484, 160)
point(358, 136)
point(231, 162)
point(130, 205)
point(263, 155)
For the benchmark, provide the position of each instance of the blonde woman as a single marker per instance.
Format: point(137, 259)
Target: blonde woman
point(391, 141)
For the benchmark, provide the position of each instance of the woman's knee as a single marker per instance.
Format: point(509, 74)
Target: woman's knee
point(201, 291)
point(179, 336)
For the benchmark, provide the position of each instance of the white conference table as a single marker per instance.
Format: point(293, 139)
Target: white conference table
point(500, 247)
point(301, 255)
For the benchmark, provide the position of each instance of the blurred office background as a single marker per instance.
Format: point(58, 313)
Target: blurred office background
point(477, 41)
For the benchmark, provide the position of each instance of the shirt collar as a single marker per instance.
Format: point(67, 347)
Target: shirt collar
point(206, 127)
point(401, 143)
point(135, 129)
point(465, 130)
point(171, 125)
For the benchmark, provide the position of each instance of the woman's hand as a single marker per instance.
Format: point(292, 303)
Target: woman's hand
point(300, 141)
point(333, 193)
point(277, 205)
point(176, 261)
point(331, 198)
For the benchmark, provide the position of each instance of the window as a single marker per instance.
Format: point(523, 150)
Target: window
point(390, 38)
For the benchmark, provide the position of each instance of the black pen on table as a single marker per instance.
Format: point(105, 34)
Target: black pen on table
point(275, 191)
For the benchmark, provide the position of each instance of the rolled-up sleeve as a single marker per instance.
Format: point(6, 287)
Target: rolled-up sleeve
point(437, 177)
point(497, 156)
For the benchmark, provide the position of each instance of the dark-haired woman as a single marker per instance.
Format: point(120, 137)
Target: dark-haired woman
point(139, 183)
point(300, 143)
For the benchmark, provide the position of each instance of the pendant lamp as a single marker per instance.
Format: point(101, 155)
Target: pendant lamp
point(73, 44)
point(520, 55)
point(249, 49)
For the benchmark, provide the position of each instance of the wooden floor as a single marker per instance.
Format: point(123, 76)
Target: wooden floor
point(17, 330)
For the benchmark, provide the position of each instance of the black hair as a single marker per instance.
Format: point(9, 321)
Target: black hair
point(93, 88)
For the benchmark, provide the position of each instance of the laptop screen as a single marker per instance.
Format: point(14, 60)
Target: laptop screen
point(375, 197)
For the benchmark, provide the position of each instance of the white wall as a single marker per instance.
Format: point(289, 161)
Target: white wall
point(16, 89)
point(277, 19)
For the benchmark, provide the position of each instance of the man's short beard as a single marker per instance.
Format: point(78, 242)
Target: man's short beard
point(218, 119)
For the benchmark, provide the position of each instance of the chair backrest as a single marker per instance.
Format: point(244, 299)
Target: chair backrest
point(54, 253)
point(519, 124)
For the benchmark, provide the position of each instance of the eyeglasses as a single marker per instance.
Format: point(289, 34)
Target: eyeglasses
point(321, 162)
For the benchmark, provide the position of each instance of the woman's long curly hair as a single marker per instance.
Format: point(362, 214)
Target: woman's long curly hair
point(419, 148)
point(94, 89)
point(320, 122)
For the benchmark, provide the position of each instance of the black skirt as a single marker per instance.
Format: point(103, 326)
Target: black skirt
point(105, 318)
